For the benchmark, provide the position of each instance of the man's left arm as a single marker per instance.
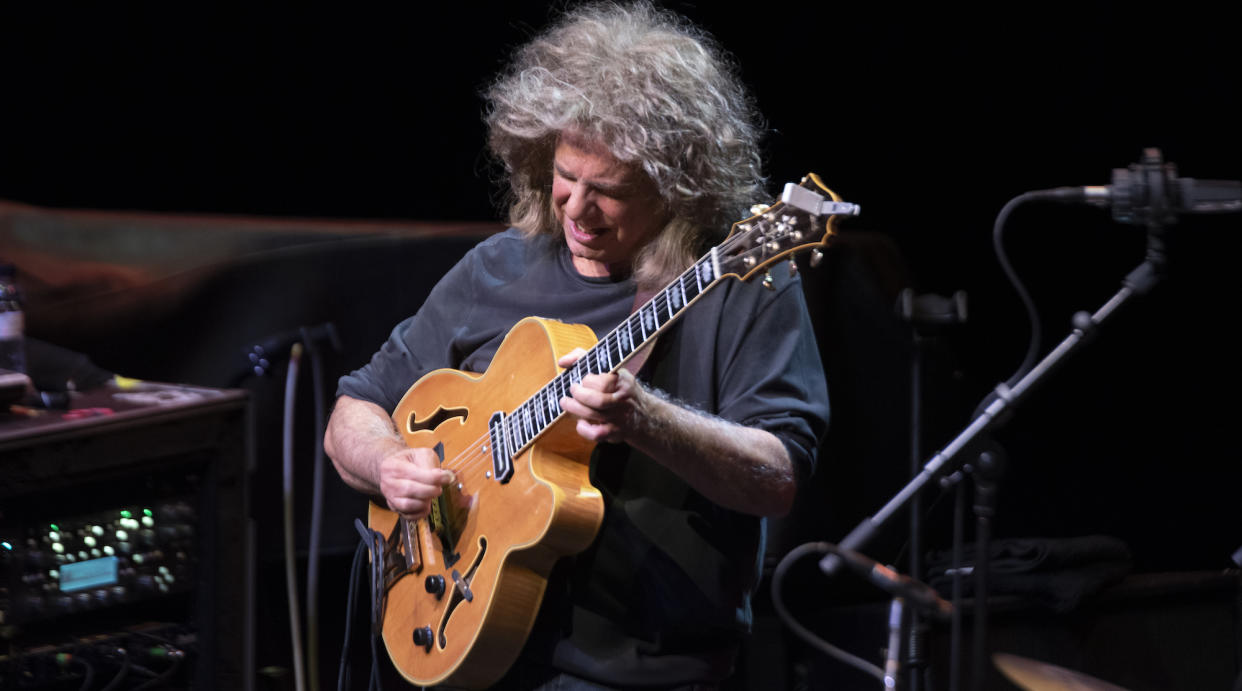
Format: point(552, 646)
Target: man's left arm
point(746, 469)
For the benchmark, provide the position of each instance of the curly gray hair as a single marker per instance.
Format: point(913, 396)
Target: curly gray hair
point(654, 89)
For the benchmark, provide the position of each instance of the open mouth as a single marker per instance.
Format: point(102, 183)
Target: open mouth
point(582, 234)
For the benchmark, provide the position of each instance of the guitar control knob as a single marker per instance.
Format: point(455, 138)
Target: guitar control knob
point(423, 638)
point(435, 585)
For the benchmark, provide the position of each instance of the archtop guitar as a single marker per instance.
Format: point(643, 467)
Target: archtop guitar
point(461, 588)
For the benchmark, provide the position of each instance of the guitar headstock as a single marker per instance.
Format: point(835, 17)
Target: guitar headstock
point(803, 218)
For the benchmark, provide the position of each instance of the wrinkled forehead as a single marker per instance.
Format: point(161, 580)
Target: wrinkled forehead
point(574, 143)
point(587, 143)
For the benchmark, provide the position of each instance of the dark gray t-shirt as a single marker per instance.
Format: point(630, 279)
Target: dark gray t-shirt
point(662, 596)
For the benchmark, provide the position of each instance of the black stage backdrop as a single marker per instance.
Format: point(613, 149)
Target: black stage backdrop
point(931, 117)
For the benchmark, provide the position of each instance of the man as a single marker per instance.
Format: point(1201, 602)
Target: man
point(629, 147)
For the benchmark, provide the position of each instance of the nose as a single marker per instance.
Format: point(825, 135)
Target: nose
point(578, 204)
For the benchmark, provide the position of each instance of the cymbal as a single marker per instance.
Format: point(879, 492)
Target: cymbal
point(1033, 675)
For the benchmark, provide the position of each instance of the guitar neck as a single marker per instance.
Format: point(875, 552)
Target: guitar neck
point(801, 219)
point(537, 413)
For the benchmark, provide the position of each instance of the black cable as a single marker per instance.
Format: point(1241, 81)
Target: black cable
point(778, 577)
point(374, 542)
point(121, 673)
point(89, 677)
point(291, 581)
point(351, 600)
point(1032, 351)
point(177, 656)
point(312, 560)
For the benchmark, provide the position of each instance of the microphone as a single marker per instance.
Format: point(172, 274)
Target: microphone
point(920, 594)
point(1150, 189)
point(265, 355)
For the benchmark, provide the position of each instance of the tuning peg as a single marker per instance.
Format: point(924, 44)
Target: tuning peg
point(816, 257)
point(793, 267)
point(767, 280)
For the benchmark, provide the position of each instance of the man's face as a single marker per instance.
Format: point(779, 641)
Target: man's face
point(608, 209)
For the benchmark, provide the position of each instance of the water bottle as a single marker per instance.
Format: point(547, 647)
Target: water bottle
point(12, 322)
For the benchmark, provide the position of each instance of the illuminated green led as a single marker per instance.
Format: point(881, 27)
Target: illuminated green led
point(6, 545)
point(126, 514)
point(148, 512)
point(55, 527)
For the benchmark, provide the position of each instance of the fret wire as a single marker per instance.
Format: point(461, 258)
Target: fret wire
point(510, 436)
point(506, 436)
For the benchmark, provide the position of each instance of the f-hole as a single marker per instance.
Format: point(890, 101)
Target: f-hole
point(439, 417)
point(457, 597)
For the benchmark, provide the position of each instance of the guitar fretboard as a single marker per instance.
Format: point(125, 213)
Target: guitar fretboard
point(537, 413)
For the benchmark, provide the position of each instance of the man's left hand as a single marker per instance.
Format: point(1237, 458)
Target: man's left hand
point(607, 406)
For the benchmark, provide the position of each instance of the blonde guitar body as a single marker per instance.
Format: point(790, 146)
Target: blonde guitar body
point(507, 535)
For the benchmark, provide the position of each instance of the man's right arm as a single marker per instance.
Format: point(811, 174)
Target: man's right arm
point(371, 457)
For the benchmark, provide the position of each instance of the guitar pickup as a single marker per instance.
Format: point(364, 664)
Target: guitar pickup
point(502, 459)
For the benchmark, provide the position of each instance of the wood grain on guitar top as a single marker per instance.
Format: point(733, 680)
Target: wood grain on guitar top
point(508, 534)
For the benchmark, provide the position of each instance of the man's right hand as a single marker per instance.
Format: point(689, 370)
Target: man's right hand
point(372, 458)
point(411, 479)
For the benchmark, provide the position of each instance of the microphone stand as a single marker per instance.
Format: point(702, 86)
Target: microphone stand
point(1138, 282)
point(926, 315)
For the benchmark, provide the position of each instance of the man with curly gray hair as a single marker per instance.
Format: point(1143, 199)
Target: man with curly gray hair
point(658, 95)
point(628, 145)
